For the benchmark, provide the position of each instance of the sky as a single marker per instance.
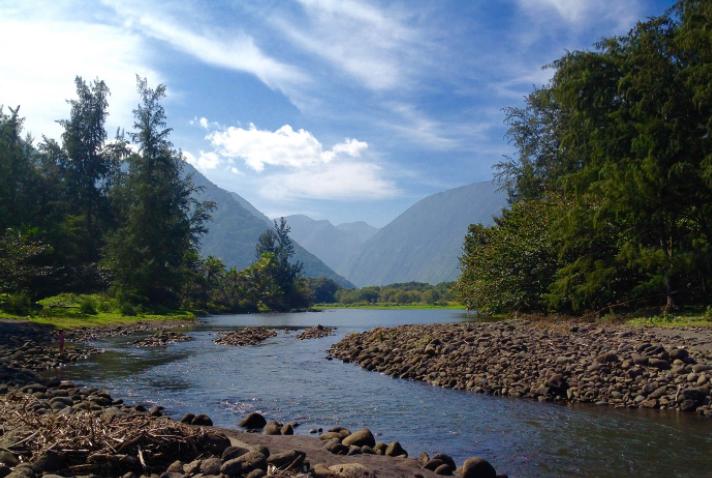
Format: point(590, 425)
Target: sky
point(339, 109)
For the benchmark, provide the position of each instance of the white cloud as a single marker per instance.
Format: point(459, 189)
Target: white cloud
point(294, 164)
point(233, 50)
point(371, 45)
point(43, 55)
point(576, 12)
point(283, 147)
point(205, 161)
point(340, 180)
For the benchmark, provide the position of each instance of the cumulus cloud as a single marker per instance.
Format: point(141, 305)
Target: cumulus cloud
point(43, 55)
point(205, 161)
point(294, 164)
point(283, 147)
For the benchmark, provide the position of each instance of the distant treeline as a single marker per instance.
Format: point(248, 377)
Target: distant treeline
point(408, 293)
point(611, 187)
point(88, 214)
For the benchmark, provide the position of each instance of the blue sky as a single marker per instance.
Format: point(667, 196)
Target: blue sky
point(344, 110)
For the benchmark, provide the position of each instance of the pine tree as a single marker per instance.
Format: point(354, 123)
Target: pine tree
point(150, 253)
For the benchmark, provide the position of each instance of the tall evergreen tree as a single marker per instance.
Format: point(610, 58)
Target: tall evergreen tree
point(85, 166)
point(150, 253)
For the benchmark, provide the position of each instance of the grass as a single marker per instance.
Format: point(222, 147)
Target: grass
point(71, 311)
point(689, 318)
point(451, 305)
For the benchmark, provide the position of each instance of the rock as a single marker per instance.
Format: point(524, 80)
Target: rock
point(607, 357)
point(320, 470)
point(360, 438)
point(253, 421)
point(176, 466)
point(288, 429)
point(445, 459)
point(395, 449)
point(8, 458)
point(202, 420)
point(252, 460)
point(380, 448)
point(192, 467)
point(351, 470)
point(444, 469)
point(272, 428)
point(336, 447)
point(49, 461)
point(187, 418)
point(214, 443)
point(661, 364)
point(477, 467)
point(211, 466)
point(233, 452)
point(257, 473)
point(292, 459)
point(232, 467)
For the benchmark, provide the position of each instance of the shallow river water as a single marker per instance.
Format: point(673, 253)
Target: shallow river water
point(290, 380)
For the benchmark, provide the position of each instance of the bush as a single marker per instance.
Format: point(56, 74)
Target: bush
point(87, 305)
point(19, 303)
point(126, 308)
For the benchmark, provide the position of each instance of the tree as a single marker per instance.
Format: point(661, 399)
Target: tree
point(149, 255)
point(619, 147)
point(276, 248)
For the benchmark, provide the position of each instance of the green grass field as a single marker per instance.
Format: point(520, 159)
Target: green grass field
point(71, 311)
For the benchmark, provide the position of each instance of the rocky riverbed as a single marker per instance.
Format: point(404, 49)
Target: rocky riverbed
point(316, 332)
point(245, 336)
point(51, 428)
point(616, 366)
point(162, 339)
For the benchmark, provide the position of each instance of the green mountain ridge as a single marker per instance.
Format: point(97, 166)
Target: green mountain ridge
point(235, 227)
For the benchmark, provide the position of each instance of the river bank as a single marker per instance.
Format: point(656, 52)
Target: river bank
point(564, 362)
point(50, 426)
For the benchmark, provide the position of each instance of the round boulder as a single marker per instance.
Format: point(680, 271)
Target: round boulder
point(360, 438)
point(477, 467)
point(253, 421)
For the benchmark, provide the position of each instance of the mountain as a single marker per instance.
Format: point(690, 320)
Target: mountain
point(361, 230)
point(423, 244)
point(335, 245)
point(235, 227)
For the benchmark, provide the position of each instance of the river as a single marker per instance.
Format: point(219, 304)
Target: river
point(291, 380)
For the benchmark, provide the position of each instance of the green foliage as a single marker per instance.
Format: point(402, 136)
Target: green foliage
point(18, 303)
point(409, 293)
point(619, 147)
point(21, 262)
point(88, 306)
point(322, 290)
point(149, 254)
point(508, 266)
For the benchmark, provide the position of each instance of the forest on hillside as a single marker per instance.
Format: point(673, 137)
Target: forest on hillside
point(117, 218)
point(611, 187)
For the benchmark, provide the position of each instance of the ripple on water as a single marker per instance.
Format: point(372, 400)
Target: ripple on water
point(289, 379)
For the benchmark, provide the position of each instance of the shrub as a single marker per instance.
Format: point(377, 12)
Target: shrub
point(19, 303)
point(126, 308)
point(87, 305)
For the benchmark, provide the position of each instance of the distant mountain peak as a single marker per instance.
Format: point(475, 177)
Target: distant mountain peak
point(423, 243)
point(235, 227)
